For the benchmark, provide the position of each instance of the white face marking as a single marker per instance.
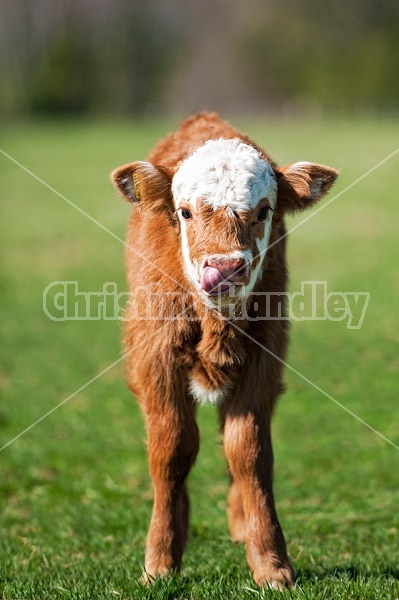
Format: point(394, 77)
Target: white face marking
point(263, 244)
point(191, 268)
point(203, 395)
point(225, 173)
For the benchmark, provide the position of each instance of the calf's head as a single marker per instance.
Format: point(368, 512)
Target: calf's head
point(226, 197)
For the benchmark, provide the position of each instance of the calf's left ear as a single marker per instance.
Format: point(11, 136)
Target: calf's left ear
point(141, 181)
point(302, 184)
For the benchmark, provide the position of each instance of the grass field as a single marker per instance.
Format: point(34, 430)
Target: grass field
point(75, 491)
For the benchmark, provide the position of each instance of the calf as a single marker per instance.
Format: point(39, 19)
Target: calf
point(205, 252)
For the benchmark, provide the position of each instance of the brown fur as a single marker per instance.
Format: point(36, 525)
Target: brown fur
point(164, 355)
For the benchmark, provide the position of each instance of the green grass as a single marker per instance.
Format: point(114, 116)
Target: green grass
point(75, 493)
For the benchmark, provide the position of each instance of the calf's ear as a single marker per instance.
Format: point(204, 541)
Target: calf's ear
point(141, 181)
point(302, 184)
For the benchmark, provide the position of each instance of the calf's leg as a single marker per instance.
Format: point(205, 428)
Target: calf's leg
point(173, 443)
point(235, 513)
point(248, 448)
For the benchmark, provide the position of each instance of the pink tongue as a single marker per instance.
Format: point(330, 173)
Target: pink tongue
point(210, 280)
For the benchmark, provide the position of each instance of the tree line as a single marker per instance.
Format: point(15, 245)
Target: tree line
point(157, 56)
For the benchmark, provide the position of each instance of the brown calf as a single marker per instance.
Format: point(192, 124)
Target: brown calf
point(206, 248)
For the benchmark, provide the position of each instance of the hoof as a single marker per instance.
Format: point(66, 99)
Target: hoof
point(149, 577)
point(276, 578)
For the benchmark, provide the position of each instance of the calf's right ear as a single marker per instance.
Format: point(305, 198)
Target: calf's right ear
point(141, 181)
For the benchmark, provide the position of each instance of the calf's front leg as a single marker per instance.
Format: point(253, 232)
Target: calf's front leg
point(173, 443)
point(248, 448)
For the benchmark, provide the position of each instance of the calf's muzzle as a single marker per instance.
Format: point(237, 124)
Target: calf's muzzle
point(220, 273)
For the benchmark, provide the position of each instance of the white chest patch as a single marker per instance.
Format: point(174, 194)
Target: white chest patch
point(204, 395)
point(225, 173)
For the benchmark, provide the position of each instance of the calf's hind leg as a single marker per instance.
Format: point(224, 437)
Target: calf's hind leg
point(173, 443)
point(235, 507)
point(235, 513)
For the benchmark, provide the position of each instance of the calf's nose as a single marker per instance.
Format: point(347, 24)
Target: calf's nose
point(233, 269)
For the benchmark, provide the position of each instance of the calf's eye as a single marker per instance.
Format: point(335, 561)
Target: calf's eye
point(186, 214)
point(262, 214)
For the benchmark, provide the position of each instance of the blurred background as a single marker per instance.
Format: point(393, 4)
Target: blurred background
point(172, 57)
